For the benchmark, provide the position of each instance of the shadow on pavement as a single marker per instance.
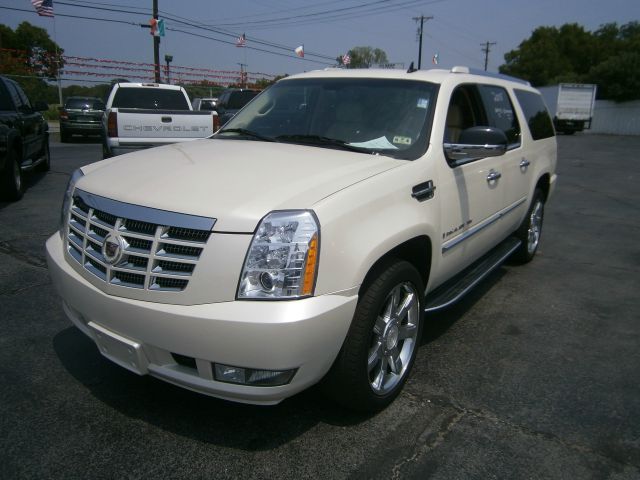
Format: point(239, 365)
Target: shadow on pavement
point(199, 417)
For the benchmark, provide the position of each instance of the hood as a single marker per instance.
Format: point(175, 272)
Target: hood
point(235, 181)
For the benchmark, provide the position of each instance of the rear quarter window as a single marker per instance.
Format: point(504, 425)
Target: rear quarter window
point(538, 120)
point(150, 99)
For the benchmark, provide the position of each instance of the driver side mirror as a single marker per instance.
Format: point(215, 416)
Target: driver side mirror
point(477, 142)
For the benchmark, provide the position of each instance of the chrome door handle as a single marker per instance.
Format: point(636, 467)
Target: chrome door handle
point(524, 163)
point(493, 176)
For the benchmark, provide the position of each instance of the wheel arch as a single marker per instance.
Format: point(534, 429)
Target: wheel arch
point(544, 184)
point(417, 251)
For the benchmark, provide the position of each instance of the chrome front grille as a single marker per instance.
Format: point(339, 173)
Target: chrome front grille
point(160, 249)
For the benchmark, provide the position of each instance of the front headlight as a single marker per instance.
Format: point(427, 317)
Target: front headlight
point(66, 202)
point(283, 256)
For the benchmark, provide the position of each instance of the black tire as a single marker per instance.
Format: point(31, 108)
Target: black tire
point(530, 230)
point(12, 177)
point(105, 151)
point(45, 165)
point(380, 349)
point(64, 136)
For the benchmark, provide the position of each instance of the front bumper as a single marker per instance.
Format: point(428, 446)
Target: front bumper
point(145, 337)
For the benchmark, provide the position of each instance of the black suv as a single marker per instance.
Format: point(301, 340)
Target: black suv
point(232, 100)
point(24, 138)
point(81, 116)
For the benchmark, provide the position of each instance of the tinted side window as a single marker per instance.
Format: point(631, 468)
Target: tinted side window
point(13, 91)
point(5, 99)
point(538, 119)
point(500, 112)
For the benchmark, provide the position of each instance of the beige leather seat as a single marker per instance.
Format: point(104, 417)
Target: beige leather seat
point(348, 122)
point(454, 124)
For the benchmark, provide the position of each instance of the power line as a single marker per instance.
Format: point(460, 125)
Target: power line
point(330, 16)
point(108, 20)
point(195, 24)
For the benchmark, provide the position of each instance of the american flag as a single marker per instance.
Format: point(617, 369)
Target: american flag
point(241, 41)
point(43, 7)
point(346, 59)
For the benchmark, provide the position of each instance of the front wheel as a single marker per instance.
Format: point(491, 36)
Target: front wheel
point(379, 351)
point(531, 229)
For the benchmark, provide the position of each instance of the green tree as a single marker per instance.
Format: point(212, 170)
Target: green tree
point(618, 78)
point(608, 57)
point(28, 51)
point(551, 55)
point(365, 57)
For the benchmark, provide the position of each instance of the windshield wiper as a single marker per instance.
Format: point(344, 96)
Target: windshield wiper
point(248, 133)
point(320, 140)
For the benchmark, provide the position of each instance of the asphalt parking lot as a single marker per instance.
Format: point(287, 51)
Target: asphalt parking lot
point(536, 374)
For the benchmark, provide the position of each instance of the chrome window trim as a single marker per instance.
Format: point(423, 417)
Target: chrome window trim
point(145, 214)
point(448, 245)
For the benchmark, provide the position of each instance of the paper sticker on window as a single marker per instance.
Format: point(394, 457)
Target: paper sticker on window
point(402, 140)
point(423, 103)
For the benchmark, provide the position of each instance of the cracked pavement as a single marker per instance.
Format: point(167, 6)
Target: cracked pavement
point(533, 375)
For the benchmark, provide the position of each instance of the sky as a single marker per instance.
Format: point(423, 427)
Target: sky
point(326, 28)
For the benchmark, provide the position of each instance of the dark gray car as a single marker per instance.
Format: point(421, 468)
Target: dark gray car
point(81, 116)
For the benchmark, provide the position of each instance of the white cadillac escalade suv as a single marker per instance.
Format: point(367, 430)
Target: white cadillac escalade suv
point(303, 241)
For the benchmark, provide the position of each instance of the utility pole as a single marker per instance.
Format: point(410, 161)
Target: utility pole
point(242, 79)
point(168, 59)
point(486, 49)
point(422, 18)
point(156, 45)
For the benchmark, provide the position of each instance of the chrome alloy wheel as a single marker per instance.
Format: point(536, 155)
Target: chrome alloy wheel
point(394, 338)
point(535, 227)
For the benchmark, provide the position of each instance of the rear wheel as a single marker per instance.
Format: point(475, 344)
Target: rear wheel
point(14, 186)
point(530, 231)
point(378, 353)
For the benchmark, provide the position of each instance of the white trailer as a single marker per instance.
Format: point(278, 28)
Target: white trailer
point(571, 105)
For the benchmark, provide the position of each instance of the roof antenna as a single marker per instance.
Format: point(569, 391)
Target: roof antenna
point(411, 69)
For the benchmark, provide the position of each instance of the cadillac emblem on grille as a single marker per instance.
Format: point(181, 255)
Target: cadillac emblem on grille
point(113, 248)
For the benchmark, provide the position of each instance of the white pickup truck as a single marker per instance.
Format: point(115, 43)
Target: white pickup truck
point(303, 242)
point(143, 115)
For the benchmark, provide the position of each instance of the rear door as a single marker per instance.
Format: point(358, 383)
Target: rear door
point(85, 111)
point(514, 165)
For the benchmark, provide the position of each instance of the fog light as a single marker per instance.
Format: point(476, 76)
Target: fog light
point(252, 377)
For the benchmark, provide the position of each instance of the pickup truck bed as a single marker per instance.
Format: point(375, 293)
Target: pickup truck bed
point(130, 125)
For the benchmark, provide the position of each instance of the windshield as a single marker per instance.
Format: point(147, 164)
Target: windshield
point(387, 116)
point(150, 98)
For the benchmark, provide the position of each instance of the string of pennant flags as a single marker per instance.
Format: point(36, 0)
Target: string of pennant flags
point(110, 68)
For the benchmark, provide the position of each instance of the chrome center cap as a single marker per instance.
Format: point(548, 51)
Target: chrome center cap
point(391, 336)
point(113, 248)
